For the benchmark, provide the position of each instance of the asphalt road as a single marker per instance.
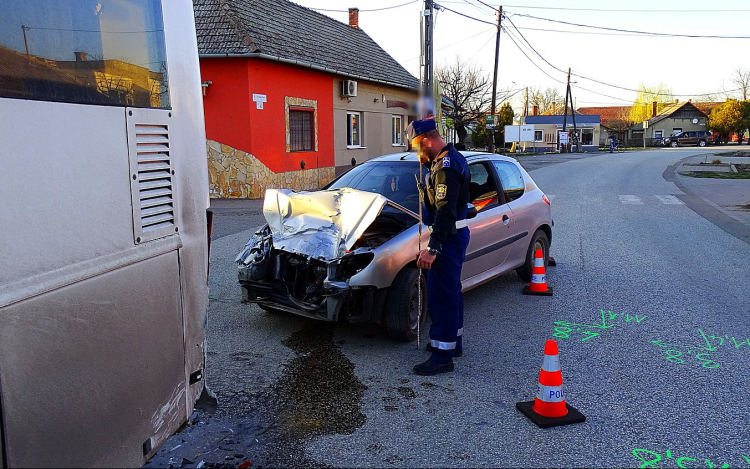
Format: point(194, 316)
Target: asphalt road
point(651, 309)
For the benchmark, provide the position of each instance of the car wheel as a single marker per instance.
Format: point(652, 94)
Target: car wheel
point(402, 305)
point(701, 143)
point(673, 144)
point(538, 241)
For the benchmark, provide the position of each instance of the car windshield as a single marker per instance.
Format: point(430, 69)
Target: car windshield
point(393, 179)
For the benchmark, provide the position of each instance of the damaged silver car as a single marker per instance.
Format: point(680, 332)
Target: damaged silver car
point(347, 252)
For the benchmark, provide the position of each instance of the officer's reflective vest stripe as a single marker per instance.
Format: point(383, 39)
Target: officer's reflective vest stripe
point(443, 345)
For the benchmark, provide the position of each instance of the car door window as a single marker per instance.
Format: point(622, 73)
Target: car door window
point(511, 180)
point(482, 188)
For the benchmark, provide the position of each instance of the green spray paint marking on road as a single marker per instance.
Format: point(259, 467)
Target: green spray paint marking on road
point(608, 320)
point(677, 353)
point(649, 458)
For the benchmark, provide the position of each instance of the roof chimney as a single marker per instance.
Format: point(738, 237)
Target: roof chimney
point(676, 100)
point(81, 56)
point(554, 108)
point(354, 17)
point(535, 111)
point(653, 109)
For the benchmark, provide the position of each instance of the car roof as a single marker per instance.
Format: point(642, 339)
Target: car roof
point(469, 155)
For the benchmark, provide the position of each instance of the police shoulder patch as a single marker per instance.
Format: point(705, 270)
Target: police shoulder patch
point(441, 192)
point(446, 162)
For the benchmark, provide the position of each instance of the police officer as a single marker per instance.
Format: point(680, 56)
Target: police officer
point(446, 196)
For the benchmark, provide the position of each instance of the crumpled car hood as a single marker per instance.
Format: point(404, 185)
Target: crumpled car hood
point(321, 224)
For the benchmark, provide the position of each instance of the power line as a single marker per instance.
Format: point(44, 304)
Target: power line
point(600, 81)
point(647, 33)
point(441, 7)
point(577, 32)
point(452, 44)
point(374, 9)
point(529, 58)
point(624, 10)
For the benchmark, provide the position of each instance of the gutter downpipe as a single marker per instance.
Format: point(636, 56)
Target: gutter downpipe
point(256, 55)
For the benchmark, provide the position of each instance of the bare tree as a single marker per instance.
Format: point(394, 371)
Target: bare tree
point(469, 88)
point(741, 80)
point(547, 99)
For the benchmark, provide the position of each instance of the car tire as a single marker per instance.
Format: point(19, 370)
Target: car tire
point(673, 144)
point(701, 143)
point(401, 305)
point(538, 241)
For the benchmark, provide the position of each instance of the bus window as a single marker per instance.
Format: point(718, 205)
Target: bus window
point(107, 52)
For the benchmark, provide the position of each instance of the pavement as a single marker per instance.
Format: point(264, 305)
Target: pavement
point(648, 312)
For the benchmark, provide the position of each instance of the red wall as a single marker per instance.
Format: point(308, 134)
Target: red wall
point(232, 117)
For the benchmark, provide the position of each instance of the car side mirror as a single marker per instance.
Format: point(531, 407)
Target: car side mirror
point(471, 211)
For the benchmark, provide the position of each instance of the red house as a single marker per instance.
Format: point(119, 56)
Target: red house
point(293, 97)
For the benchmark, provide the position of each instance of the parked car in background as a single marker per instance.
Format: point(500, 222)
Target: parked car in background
point(691, 137)
point(348, 251)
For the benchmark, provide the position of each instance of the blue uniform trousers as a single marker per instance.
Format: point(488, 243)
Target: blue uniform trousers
point(445, 301)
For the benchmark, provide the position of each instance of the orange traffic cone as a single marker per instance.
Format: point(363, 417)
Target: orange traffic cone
point(549, 409)
point(538, 285)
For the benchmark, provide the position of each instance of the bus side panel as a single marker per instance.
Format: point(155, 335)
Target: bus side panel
point(191, 178)
point(113, 342)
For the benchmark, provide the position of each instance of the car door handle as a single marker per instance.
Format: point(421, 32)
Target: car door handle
point(506, 219)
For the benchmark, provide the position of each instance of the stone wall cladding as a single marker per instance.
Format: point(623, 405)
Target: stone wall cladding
point(235, 174)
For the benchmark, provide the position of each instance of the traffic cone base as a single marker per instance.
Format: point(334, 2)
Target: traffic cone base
point(573, 416)
point(528, 291)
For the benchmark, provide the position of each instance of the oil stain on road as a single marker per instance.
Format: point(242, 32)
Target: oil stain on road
point(317, 394)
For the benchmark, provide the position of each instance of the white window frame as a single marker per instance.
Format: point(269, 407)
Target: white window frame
point(397, 131)
point(540, 139)
point(350, 144)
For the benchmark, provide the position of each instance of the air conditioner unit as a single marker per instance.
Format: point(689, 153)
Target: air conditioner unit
point(348, 88)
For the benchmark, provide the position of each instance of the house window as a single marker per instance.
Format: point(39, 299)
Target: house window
point(353, 129)
point(301, 120)
point(658, 133)
point(301, 124)
point(538, 135)
point(397, 131)
point(587, 137)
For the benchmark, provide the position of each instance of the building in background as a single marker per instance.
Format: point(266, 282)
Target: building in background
point(293, 97)
point(671, 120)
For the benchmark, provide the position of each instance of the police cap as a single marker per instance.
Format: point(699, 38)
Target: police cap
point(417, 128)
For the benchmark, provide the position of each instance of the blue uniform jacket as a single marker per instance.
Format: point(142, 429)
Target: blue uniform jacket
point(446, 195)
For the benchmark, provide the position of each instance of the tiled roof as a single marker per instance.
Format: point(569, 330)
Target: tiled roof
point(671, 109)
point(608, 113)
point(285, 30)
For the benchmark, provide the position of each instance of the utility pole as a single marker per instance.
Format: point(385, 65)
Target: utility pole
point(25, 42)
point(565, 114)
point(494, 79)
point(428, 57)
point(526, 106)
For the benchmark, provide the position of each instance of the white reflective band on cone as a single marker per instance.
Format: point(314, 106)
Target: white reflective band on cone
point(460, 332)
point(539, 262)
point(443, 345)
point(551, 363)
point(538, 278)
point(550, 394)
point(461, 224)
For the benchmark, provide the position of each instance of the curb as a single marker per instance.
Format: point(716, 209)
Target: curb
point(706, 208)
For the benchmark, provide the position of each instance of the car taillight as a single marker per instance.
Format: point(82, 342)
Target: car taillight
point(544, 198)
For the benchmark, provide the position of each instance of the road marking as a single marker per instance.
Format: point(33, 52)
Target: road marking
point(669, 200)
point(631, 200)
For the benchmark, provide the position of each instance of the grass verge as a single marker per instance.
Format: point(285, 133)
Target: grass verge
point(715, 175)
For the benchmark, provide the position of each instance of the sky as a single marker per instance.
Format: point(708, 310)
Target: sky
point(690, 66)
